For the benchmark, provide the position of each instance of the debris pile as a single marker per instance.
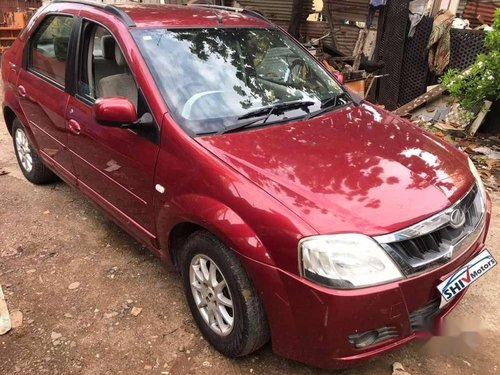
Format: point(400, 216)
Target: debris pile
point(484, 150)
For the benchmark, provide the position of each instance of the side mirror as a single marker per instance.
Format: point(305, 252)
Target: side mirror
point(116, 111)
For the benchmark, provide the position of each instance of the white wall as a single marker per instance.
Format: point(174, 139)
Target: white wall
point(451, 5)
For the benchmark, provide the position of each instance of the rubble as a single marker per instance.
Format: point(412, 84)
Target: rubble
point(484, 150)
point(398, 369)
point(136, 311)
point(54, 336)
point(5, 323)
point(491, 154)
point(74, 285)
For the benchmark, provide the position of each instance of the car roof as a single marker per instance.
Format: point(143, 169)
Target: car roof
point(181, 15)
point(170, 15)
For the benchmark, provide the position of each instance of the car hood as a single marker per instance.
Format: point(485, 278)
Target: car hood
point(358, 169)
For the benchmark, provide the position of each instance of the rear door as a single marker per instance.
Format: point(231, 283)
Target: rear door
point(42, 90)
point(114, 166)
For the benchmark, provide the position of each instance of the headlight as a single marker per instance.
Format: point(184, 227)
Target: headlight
point(346, 261)
point(479, 182)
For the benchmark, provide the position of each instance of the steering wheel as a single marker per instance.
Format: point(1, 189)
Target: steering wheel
point(298, 71)
point(187, 90)
point(194, 96)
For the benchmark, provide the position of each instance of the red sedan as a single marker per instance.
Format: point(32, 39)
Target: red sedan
point(294, 211)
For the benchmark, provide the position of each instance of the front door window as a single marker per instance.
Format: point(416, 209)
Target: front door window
point(105, 72)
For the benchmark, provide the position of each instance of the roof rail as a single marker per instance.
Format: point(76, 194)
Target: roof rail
point(106, 7)
point(247, 12)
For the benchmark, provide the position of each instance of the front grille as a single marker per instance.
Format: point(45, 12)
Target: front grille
point(423, 318)
point(435, 240)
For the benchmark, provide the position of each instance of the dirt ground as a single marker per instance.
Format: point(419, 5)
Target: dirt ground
point(51, 239)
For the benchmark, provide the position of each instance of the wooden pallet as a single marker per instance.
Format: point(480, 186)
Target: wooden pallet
point(8, 35)
point(16, 21)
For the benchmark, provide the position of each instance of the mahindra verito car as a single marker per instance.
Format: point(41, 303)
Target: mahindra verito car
point(294, 211)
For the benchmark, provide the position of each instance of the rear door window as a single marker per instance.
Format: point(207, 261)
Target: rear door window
point(49, 48)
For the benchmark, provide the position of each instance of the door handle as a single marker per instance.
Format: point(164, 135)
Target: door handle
point(21, 90)
point(74, 127)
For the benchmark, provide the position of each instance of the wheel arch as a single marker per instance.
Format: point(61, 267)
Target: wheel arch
point(12, 110)
point(178, 237)
point(214, 217)
point(9, 115)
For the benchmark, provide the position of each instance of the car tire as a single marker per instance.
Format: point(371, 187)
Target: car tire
point(249, 330)
point(29, 161)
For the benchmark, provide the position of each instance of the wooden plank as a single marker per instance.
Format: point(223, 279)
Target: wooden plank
point(480, 117)
point(422, 99)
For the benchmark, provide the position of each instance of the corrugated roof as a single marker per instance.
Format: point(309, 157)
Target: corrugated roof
point(485, 9)
point(279, 11)
point(352, 10)
point(346, 35)
point(461, 7)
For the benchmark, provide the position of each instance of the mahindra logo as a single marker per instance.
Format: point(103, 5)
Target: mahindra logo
point(457, 218)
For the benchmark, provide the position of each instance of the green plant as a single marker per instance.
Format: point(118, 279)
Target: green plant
point(482, 80)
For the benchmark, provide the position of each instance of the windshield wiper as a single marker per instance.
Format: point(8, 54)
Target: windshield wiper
point(265, 114)
point(329, 104)
point(271, 109)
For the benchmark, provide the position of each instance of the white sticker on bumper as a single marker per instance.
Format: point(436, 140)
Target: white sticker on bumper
point(466, 275)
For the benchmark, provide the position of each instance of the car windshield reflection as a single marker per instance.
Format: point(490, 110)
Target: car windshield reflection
point(211, 77)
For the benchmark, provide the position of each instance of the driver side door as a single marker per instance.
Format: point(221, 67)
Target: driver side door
point(114, 166)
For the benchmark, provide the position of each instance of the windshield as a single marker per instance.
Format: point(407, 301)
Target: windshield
point(214, 78)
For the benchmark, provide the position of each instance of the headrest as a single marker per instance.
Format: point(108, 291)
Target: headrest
point(108, 47)
point(61, 47)
point(120, 60)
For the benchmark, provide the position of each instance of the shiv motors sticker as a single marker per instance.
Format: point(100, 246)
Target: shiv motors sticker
point(466, 275)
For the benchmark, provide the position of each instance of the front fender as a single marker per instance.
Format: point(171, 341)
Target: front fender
point(216, 218)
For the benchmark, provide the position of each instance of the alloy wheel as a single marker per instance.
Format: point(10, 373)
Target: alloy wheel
point(211, 294)
point(23, 150)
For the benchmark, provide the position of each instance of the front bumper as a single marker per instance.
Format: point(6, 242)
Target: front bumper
point(312, 324)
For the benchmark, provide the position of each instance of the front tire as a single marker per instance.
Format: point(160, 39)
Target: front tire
point(221, 297)
point(29, 161)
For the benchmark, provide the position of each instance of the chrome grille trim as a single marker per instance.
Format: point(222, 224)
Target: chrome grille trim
point(435, 241)
point(426, 226)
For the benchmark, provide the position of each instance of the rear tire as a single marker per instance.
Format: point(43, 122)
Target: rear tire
point(231, 317)
point(29, 161)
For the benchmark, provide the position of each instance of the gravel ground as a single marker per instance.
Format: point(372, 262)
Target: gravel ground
point(80, 283)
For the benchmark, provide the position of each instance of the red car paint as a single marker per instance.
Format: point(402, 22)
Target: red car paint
point(359, 169)
point(114, 110)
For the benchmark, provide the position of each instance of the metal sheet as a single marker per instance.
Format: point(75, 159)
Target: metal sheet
point(415, 69)
point(279, 11)
point(346, 35)
point(465, 46)
point(352, 10)
point(391, 51)
point(485, 9)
